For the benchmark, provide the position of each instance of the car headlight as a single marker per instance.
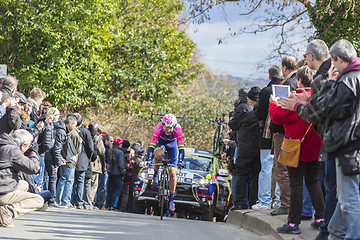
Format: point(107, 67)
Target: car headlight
point(143, 175)
point(201, 181)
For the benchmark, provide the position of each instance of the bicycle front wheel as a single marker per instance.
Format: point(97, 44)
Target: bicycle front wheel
point(163, 193)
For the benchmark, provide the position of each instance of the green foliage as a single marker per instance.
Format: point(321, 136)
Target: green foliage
point(335, 20)
point(91, 52)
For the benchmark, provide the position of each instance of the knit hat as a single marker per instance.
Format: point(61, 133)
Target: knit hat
point(253, 94)
point(54, 112)
point(126, 144)
point(118, 141)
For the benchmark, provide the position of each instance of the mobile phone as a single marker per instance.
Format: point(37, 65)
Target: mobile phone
point(280, 90)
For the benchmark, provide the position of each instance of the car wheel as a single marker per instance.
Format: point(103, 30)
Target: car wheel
point(180, 215)
point(209, 215)
point(138, 208)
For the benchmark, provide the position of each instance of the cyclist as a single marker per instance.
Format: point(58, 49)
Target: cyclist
point(167, 136)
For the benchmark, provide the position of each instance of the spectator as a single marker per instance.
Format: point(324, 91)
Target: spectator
point(89, 180)
point(8, 88)
point(288, 67)
point(82, 164)
point(318, 58)
point(116, 175)
point(266, 156)
point(99, 152)
point(137, 155)
point(69, 154)
point(248, 149)
point(15, 156)
point(339, 102)
point(36, 98)
point(124, 197)
point(297, 128)
point(53, 158)
point(106, 161)
point(11, 120)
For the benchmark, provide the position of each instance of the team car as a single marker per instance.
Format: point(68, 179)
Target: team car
point(202, 187)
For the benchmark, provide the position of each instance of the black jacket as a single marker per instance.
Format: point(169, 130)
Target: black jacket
point(53, 156)
point(46, 139)
point(262, 110)
point(106, 159)
point(118, 162)
point(10, 121)
point(87, 150)
point(340, 102)
point(12, 161)
point(247, 129)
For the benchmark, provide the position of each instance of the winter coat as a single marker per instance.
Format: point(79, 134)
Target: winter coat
point(87, 150)
point(118, 162)
point(11, 121)
point(12, 161)
point(46, 139)
point(100, 150)
point(262, 111)
point(295, 128)
point(312, 112)
point(247, 129)
point(339, 102)
point(53, 156)
point(106, 159)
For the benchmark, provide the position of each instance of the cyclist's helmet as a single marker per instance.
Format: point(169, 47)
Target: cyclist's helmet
point(169, 120)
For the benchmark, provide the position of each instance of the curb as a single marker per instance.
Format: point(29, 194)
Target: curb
point(260, 223)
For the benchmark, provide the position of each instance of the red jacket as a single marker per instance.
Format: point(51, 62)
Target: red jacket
point(295, 128)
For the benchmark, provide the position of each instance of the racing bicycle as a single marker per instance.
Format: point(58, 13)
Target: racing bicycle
point(164, 192)
point(218, 143)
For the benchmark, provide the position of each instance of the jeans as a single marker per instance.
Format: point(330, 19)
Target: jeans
point(264, 190)
point(101, 190)
point(46, 195)
point(330, 193)
point(52, 181)
point(307, 209)
point(65, 185)
point(78, 188)
point(345, 222)
point(115, 185)
point(235, 181)
point(38, 178)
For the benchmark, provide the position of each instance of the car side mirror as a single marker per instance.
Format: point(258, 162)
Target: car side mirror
point(223, 173)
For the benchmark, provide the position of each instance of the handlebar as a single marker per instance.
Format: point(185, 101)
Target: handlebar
point(149, 164)
point(167, 111)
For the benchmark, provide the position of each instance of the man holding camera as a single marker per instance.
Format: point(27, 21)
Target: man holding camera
point(15, 156)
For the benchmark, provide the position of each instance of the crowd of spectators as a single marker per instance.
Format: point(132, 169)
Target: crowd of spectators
point(322, 112)
point(52, 159)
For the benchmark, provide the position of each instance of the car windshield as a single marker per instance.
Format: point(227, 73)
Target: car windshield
point(194, 162)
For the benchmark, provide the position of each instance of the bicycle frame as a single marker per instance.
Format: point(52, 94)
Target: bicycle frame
point(163, 193)
point(218, 144)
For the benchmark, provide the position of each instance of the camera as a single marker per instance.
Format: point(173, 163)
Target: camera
point(42, 118)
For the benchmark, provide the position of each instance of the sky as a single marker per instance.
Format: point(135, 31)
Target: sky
point(239, 56)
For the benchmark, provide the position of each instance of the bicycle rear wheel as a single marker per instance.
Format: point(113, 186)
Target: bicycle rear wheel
point(216, 142)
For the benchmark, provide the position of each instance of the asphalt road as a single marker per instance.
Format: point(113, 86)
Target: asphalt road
point(83, 224)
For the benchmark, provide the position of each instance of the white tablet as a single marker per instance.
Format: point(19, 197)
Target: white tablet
point(280, 90)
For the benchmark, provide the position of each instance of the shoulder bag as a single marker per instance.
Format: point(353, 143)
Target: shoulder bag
point(290, 151)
